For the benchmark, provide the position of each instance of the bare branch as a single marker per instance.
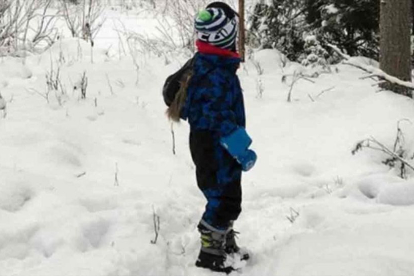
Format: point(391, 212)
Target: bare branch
point(295, 78)
point(374, 72)
point(293, 215)
point(398, 153)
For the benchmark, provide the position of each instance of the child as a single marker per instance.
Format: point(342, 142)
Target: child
point(219, 144)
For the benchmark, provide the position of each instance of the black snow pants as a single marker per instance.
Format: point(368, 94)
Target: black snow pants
point(218, 177)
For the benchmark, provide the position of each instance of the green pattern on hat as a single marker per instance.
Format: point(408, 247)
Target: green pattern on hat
point(204, 15)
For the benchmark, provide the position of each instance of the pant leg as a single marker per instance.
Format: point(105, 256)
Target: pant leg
point(218, 177)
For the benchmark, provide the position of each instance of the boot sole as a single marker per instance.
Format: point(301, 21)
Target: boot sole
point(226, 270)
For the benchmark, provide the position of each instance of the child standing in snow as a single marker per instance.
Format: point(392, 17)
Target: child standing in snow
point(219, 143)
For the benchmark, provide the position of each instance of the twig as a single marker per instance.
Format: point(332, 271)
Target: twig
point(400, 134)
point(45, 95)
point(296, 78)
point(81, 174)
point(370, 76)
point(84, 85)
point(109, 84)
point(173, 138)
point(397, 154)
point(259, 88)
point(293, 215)
point(393, 154)
point(116, 183)
point(3, 106)
point(156, 220)
point(326, 90)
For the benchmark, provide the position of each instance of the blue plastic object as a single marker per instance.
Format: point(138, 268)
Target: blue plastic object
point(248, 160)
point(237, 144)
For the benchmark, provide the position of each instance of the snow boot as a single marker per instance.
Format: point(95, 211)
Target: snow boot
point(212, 255)
point(231, 246)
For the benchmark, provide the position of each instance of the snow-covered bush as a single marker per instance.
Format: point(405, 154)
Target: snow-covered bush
point(399, 156)
point(85, 19)
point(351, 25)
point(182, 15)
point(314, 53)
point(174, 32)
point(279, 24)
point(26, 25)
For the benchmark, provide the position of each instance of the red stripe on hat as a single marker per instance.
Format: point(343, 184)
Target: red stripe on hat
point(209, 49)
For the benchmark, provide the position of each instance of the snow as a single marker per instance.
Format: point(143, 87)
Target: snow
point(82, 179)
point(310, 39)
point(331, 9)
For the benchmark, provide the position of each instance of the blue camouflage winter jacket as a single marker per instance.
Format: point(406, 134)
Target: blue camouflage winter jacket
point(214, 96)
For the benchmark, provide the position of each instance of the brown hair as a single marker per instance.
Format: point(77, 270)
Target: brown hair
point(174, 110)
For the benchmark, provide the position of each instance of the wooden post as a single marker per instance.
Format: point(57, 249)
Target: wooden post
point(242, 31)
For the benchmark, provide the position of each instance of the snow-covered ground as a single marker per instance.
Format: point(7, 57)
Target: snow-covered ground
point(82, 180)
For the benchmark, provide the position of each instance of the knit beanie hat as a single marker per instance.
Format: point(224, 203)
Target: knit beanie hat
point(217, 26)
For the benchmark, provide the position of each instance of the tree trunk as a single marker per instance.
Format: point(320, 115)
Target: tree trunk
point(412, 16)
point(395, 42)
point(242, 31)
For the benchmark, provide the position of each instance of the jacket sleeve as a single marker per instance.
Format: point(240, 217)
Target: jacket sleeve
point(217, 102)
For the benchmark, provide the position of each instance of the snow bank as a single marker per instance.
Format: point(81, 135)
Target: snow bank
point(400, 194)
point(12, 70)
point(72, 50)
point(270, 60)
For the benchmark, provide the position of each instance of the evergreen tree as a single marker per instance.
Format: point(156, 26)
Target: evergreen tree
point(351, 25)
point(279, 25)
